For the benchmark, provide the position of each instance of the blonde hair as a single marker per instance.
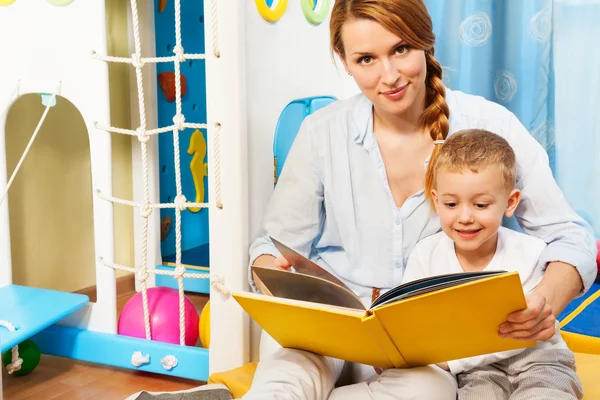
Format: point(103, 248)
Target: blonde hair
point(409, 20)
point(475, 149)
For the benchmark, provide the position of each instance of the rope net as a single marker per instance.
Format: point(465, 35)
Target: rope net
point(180, 203)
point(143, 133)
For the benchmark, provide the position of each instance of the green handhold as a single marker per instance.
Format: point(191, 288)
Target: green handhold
point(60, 2)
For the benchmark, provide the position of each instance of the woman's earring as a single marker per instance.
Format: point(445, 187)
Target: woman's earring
point(349, 73)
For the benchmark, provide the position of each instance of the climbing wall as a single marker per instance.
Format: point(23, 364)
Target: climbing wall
point(192, 142)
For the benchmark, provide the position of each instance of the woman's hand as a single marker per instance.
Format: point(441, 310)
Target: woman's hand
point(282, 263)
point(268, 261)
point(536, 322)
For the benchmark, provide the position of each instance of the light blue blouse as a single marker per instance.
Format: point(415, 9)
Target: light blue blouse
point(333, 203)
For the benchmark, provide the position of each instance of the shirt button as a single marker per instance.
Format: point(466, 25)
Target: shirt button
point(398, 220)
point(397, 264)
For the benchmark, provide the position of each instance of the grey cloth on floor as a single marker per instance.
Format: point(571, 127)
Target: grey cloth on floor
point(211, 394)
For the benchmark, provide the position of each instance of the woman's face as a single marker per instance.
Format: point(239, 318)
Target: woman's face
point(386, 69)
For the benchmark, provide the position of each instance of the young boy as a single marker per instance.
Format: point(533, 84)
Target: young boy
point(474, 189)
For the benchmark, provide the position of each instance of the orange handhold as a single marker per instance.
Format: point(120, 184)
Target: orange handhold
point(161, 5)
point(166, 81)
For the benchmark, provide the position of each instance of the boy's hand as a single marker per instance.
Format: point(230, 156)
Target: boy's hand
point(534, 323)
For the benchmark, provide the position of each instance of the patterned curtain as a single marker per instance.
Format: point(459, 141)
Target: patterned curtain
point(541, 60)
point(577, 116)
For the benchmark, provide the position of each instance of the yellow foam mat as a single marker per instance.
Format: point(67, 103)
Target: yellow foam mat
point(588, 366)
point(582, 343)
point(238, 380)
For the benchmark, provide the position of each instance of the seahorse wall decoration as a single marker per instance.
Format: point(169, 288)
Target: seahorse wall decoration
point(198, 167)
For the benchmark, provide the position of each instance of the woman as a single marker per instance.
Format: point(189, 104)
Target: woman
point(351, 195)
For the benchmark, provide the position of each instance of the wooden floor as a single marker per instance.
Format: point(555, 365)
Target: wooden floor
point(66, 379)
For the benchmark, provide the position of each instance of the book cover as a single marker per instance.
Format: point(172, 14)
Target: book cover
point(427, 321)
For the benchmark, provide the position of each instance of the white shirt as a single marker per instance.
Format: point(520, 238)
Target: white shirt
point(333, 202)
point(515, 251)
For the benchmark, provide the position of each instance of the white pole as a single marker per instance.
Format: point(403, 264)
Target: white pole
point(5, 256)
point(226, 96)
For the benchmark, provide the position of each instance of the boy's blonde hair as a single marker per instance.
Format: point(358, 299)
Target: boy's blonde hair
point(474, 149)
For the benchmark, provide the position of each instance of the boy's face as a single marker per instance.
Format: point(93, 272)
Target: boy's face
point(471, 206)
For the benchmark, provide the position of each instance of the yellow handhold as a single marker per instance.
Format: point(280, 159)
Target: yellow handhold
point(315, 15)
point(271, 14)
point(198, 167)
point(6, 2)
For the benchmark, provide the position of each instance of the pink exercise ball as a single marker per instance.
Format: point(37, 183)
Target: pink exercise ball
point(163, 306)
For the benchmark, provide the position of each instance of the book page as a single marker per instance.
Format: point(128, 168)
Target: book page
point(304, 265)
point(430, 284)
point(297, 286)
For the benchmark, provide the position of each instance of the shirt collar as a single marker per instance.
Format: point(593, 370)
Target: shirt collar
point(362, 114)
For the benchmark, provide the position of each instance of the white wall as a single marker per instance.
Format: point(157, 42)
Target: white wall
point(285, 60)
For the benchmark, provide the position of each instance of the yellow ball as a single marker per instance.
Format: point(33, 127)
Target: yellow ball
point(204, 326)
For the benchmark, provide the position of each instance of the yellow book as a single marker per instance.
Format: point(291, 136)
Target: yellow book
point(428, 321)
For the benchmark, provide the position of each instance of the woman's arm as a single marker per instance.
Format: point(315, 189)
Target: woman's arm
point(561, 284)
point(544, 212)
point(295, 211)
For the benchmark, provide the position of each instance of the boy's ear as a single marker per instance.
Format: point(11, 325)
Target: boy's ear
point(435, 199)
point(513, 201)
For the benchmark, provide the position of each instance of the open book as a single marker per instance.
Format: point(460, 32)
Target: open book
point(427, 321)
